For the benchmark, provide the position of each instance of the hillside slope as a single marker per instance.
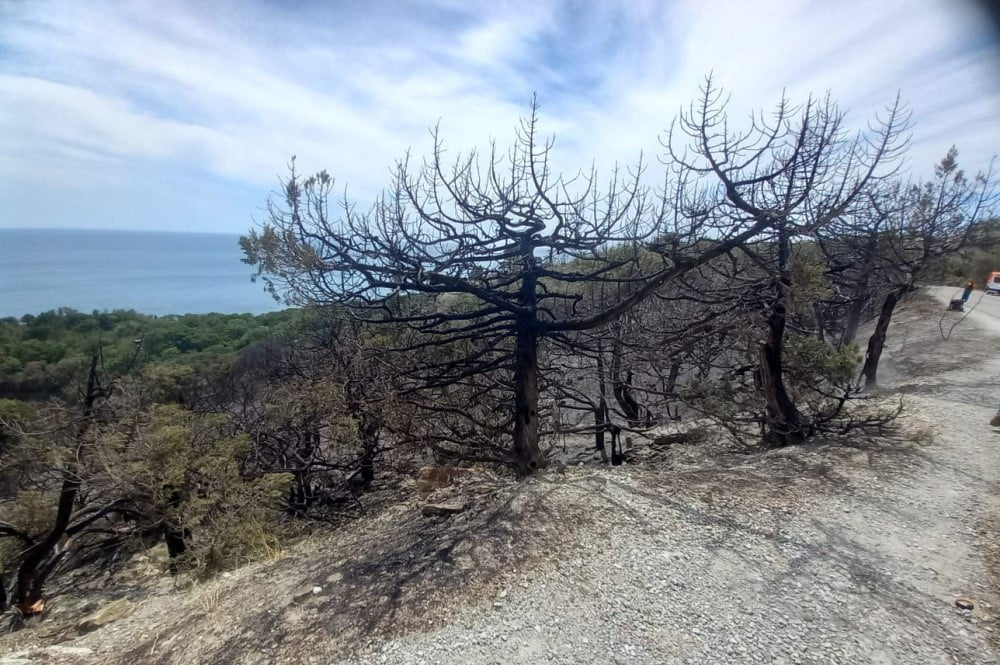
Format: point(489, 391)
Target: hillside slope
point(841, 552)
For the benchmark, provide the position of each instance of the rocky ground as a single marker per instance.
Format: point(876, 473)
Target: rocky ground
point(850, 550)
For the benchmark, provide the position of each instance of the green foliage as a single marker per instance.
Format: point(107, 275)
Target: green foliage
point(714, 397)
point(31, 512)
point(141, 455)
point(809, 361)
point(808, 273)
point(29, 473)
point(15, 411)
point(186, 470)
point(167, 382)
point(15, 417)
point(976, 261)
point(41, 355)
point(168, 469)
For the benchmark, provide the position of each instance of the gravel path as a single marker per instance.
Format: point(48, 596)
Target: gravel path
point(822, 555)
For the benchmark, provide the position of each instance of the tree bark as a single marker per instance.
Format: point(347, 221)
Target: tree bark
point(669, 388)
point(862, 294)
point(783, 420)
point(623, 393)
point(671, 385)
point(877, 340)
point(853, 321)
point(175, 535)
point(820, 322)
point(784, 423)
point(176, 540)
point(527, 453)
point(601, 412)
point(369, 428)
point(30, 574)
point(600, 426)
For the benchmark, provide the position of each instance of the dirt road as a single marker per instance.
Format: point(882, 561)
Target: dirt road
point(818, 555)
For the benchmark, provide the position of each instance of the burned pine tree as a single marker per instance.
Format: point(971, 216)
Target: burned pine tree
point(273, 393)
point(578, 383)
point(624, 377)
point(55, 461)
point(314, 406)
point(794, 172)
point(480, 263)
point(343, 351)
point(851, 247)
point(41, 556)
point(916, 226)
point(599, 376)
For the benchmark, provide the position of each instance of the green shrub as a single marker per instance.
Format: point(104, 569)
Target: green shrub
point(809, 361)
point(186, 470)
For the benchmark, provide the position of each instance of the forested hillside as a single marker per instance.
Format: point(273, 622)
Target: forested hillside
point(40, 353)
point(485, 311)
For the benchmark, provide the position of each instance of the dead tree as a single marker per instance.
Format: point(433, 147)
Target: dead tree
point(314, 405)
point(921, 224)
point(851, 247)
point(340, 352)
point(470, 260)
point(42, 553)
point(623, 375)
point(578, 374)
point(793, 172)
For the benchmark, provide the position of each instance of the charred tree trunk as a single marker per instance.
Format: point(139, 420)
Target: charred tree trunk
point(600, 426)
point(527, 453)
point(820, 322)
point(877, 340)
point(784, 423)
point(31, 574)
point(854, 312)
point(670, 388)
point(629, 405)
point(299, 494)
point(369, 429)
point(174, 535)
point(176, 541)
point(368, 467)
point(671, 385)
point(601, 412)
point(783, 420)
point(621, 387)
point(617, 453)
point(862, 292)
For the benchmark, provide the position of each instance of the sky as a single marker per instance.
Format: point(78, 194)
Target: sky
point(182, 115)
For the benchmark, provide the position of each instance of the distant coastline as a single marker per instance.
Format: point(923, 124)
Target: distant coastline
point(150, 271)
point(25, 229)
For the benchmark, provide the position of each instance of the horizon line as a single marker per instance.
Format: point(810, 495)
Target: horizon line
point(106, 230)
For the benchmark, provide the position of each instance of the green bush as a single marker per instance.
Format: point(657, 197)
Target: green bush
point(186, 470)
point(809, 361)
point(40, 355)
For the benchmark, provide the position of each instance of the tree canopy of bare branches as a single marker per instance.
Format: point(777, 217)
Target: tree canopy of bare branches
point(793, 173)
point(484, 260)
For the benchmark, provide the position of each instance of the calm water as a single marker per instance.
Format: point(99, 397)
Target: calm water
point(152, 272)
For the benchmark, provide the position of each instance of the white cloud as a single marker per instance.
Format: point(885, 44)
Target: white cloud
point(229, 91)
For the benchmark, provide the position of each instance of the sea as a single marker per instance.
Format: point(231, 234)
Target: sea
point(151, 272)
